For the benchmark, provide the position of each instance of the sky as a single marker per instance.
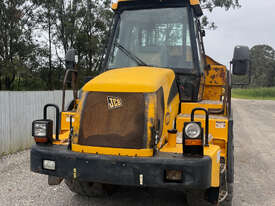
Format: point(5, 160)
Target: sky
point(252, 24)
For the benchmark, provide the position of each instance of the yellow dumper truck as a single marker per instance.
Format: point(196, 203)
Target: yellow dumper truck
point(158, 114)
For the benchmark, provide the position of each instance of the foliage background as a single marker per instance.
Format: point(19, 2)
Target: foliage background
point(35, 35)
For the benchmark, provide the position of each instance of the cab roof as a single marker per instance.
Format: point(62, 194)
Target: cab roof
point(194, 3)
point(115, 5)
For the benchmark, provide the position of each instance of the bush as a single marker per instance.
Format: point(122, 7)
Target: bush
point(255, 93)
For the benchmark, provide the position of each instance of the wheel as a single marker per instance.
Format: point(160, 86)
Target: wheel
point(230, 170)
point(89, 189)
point(226, 189)
point(230, 155)
point(222, 195)
point(197, 198)
point(228, 201)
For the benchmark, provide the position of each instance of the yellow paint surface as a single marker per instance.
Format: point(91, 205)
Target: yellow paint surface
point(134, 79)
point(65, 120)
point(167, 148)
point(215, 80)
point(187, 107)
point(114, 6)
point(172, 109)
point(215, 123)
point(194, 2)
point(113, 151)
point(211, 151)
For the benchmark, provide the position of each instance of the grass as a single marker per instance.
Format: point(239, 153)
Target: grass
point(255, 93)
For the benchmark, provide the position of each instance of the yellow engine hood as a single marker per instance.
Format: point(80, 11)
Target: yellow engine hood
point(134, 79)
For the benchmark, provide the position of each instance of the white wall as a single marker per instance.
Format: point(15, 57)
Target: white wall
point(18, 110)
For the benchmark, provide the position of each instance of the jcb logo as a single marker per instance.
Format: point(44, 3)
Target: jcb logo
point(114, 102)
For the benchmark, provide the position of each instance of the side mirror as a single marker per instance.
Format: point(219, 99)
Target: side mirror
point(70, 59)
point(240, 60)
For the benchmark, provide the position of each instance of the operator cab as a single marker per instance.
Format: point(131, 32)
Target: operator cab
point(162, 35)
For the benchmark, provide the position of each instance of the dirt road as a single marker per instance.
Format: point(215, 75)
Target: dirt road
point(254, 170)
point(254, 129)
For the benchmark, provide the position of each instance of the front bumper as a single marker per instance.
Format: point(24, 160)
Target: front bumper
point(122, 170)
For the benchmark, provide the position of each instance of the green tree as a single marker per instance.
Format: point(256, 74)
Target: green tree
point(262, 66)
point(210, 5)
point(79, 24)
point(83, 25)
point(45, 22)
point(16, 43)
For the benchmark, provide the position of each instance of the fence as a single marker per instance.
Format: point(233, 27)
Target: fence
point(18, 110)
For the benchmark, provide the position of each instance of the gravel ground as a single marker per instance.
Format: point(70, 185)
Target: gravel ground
point(254, 170)
point(254, 129)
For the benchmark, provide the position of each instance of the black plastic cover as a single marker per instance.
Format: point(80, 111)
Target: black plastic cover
point(240, 60)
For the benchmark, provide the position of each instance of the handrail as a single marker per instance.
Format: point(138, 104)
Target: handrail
point(57, 113)
point(206, 122)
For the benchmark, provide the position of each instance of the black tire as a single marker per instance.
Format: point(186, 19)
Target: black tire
point(229, 200)
point(197, 198)
point(230, 155)
point(89, 189)
point(230, 165)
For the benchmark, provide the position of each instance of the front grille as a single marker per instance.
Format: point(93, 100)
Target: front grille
point(113, 120)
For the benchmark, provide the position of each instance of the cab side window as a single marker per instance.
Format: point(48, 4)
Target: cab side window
point(201, 55)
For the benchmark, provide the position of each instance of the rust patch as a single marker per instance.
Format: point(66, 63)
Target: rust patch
point(222, 75)
point(122, 127)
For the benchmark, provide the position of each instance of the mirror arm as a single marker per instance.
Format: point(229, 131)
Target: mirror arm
point(70, 64)
point(64, 86)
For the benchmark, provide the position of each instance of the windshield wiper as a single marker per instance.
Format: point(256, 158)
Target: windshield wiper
point(129, 54)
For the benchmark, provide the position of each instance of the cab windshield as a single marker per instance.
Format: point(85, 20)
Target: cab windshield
point(152, 37)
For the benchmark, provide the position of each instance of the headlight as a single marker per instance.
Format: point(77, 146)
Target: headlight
point(40, 130)
point(48, 164)
point(193, 130)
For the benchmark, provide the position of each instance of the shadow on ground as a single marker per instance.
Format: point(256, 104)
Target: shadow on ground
point(135, 197)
